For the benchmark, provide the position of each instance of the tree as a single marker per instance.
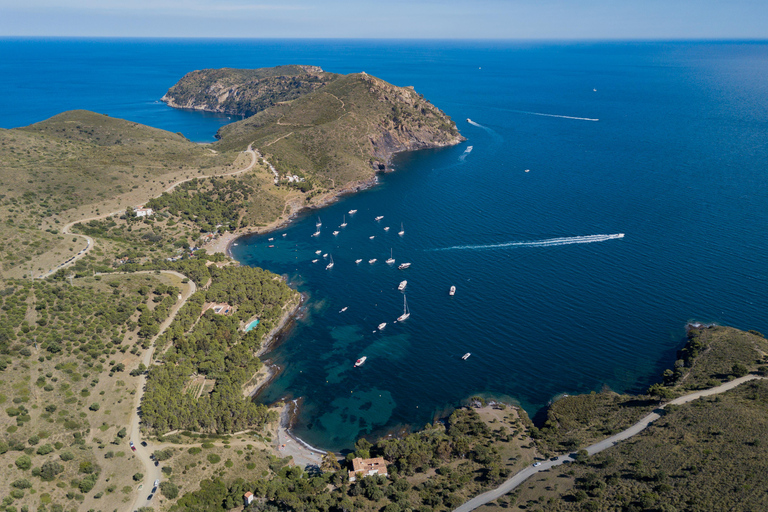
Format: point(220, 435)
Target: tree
point(50, 469)
point(138, 477)
point(330, 463)
point(739, 370)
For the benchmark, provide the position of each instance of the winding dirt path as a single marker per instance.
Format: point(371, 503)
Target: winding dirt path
point(89, 241)
point(635, 429)
point(151, 472)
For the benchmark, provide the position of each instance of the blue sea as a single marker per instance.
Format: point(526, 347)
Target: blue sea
point(572, 145)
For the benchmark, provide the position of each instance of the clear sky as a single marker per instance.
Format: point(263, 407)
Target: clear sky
point(445, 19)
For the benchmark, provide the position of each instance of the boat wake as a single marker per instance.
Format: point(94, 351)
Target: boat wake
point(475, 124)
point(550, 242)
point(554, 115)
point(465, 153)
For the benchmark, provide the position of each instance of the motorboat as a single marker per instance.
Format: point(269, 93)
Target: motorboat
point(452, 291)
point(360, 361)
point(270, 239)
point(386, 228)
point(371, 237)
point(318, 251)
point(352, 212)
point(382, 325)
point(335, 233)
point(343, 309)
point(378, 218)
point(358, 260)
point(372, 261)
point(466, 356)
point(316, 233)
point(402, 285)
point(404, 266)
point(314, 261)
point(325, 255)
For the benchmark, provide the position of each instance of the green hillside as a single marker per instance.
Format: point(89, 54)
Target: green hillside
point(343, 132)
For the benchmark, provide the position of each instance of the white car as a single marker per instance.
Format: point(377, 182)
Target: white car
point(157, 482)
point(536, 464)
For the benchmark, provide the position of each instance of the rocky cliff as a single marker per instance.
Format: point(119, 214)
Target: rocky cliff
point(327, 129)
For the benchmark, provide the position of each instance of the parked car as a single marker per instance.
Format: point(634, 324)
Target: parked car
point(157, 482)
point(536, 464)
point(133, 446)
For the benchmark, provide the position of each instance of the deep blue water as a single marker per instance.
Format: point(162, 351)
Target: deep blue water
point(676, 161)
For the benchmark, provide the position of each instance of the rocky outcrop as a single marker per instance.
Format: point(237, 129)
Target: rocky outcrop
point(244, 92)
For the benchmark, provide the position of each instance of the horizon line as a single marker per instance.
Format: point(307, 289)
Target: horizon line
point(422, 39)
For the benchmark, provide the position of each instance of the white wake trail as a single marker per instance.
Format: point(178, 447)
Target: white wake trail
point(588, 239)
point(475, 124)
point(554, 115)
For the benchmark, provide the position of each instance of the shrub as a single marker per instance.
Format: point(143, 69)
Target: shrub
point(169, 490)
point(213, 458)
point(138, 477)
point(22, 483)
point(65, 456)
point(24, 462)
point(45, 449)
point(94, 406)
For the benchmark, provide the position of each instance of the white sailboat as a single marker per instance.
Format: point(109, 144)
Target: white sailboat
point(330, 265)
point(406, 313)
point(344, 224)
point(358, 260)
point(391, 259)
point(316, 233)
point(402, 230)
point(319, 222)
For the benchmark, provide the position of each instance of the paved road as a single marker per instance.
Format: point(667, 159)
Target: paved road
point(151, 472)
point(635, 429)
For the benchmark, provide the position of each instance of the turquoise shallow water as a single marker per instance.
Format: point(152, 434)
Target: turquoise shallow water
point(549, 299)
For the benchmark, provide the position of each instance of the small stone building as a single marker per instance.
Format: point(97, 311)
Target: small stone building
point(248, 498)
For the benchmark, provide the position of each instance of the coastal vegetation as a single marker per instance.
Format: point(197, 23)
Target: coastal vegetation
point(216, 346)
